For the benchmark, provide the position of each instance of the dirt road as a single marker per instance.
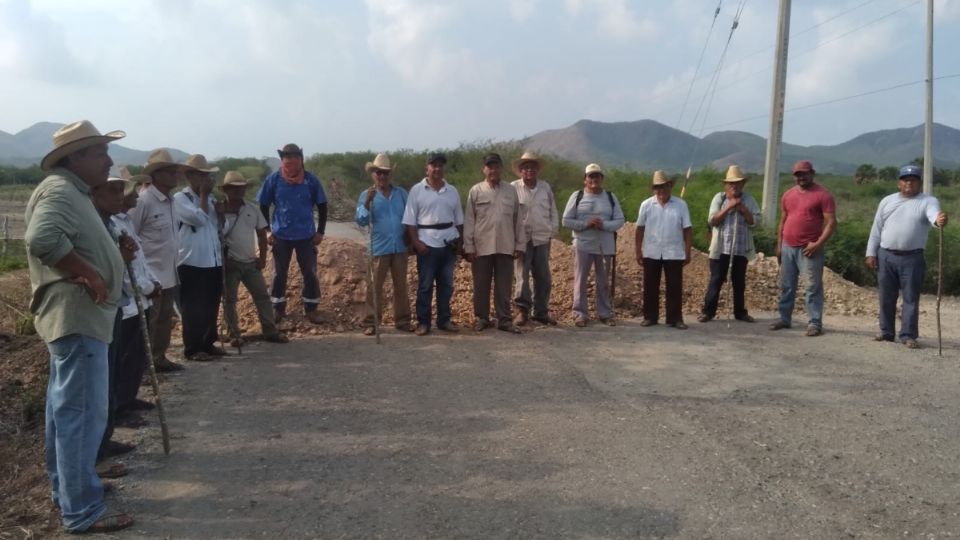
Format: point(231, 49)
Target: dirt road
point(601, 432)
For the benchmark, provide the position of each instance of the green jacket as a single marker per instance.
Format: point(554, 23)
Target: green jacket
point(61, 218)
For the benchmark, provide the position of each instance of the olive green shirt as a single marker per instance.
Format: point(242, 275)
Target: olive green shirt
point(61, 218)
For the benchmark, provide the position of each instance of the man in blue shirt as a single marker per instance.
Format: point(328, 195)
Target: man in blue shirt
point(383, 205)
point(895, 250)
point(294, 192)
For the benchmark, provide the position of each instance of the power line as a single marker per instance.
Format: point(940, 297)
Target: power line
point(696, 72)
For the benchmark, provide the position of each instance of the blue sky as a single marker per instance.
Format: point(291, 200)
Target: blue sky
point(243, 77)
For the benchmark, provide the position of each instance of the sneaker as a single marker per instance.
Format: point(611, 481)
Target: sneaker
point(422, 330)
point(813, 331)
point(449, 326)
point(704, 318)
point(779, 325)
point(546, 319)
point(521, 317)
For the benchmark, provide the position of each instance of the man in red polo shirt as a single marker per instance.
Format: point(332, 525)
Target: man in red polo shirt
point(807, 220)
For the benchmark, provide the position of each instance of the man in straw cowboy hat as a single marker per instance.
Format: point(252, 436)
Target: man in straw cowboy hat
point(541, 221)
point(200, 260)
point(76, 277)
point(385, 202)
point(493, 238)
point(808, 217)
point(293, 192)
point(595, 215)
point(155, 223)
point(434, 221)
point(895, 250)
point(663, 242)
point(732, 216)
point(242, 223)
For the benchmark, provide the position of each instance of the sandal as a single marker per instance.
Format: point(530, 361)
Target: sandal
point(109, 523)
point(112, 470)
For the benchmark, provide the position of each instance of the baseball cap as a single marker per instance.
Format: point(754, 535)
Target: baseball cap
point(803, 166)
point(910, 170)
point(437, 156)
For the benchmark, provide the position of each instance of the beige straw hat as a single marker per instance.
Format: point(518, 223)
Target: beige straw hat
point(234, 178)
point(129, 186)
point(734, 174)
point(527, 157)
point(381, 163)
point(76, 136)
point(660, 178)
point(159, 159)
point(198, 162)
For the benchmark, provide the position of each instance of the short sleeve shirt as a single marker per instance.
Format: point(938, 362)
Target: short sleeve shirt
point(804, 210)
point(663, 228)
point(241, 232)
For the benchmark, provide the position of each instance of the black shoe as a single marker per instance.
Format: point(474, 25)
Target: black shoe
point(116, 448)
point(131, 420)
point(704, 318)
point(166, 365)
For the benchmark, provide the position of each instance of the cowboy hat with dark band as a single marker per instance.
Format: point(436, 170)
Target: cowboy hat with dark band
point(74, 137)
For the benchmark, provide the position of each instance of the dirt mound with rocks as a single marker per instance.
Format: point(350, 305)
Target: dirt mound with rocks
point(342, 269)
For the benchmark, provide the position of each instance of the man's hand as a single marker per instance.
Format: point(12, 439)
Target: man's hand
point(371, 193)
point(470, 257)
point(157, 289)
point(776, 252)
point(686, 261)
point(595, 223)
point(942, 219)
point(517, 254)
point(128, 248)
point(872, 263)
point(270, 238)
point(420, 247)
point(811, 249)
point(95, 287)
point(317, 238)
point(640, 258)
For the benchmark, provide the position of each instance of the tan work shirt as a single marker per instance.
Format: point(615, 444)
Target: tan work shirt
point(154, 220)
point(492, 221)
point(541, 221)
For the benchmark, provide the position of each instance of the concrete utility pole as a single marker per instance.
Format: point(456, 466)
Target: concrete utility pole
point(928, 124)
point(771, 173)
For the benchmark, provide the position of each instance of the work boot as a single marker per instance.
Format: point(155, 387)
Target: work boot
point(521, 317)
point(315, 317)
point(279, 312)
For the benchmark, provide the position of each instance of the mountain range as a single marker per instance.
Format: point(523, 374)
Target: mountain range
point(641, 144)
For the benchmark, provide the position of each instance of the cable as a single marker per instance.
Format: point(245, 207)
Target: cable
point(696, 72)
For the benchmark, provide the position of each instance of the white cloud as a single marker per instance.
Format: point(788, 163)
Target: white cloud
point(32, 46)
point(615, 19)
point(521, 10)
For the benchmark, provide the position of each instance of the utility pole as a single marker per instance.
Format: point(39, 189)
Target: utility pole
point(771, 173)
point(928, 124)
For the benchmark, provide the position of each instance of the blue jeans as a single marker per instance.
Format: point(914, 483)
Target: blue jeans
point(76, 416)
point(435, 265)
point(792, 263)
point(900, 273)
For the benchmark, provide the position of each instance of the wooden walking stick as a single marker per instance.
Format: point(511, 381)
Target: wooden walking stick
point(939, 292)
point(373, 278)
point(145, 333)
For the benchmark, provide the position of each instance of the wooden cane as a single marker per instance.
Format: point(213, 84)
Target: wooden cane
point(939, 292)
point(373, 279)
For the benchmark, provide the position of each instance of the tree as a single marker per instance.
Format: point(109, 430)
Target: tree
point(888, 173)
point(865, 172)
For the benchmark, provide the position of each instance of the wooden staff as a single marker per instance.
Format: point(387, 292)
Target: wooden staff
point(939, 293)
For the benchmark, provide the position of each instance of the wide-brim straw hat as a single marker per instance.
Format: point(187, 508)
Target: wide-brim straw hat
point(734, 174)
point(527, 157)
point(129, 186)
point(198, 162)
point(380, 163)
point(73, 137)
point(660, 178)
point(159, 159)
point(592, 168)
point(234, 178)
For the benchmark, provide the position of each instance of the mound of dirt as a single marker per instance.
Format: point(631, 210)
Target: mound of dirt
point(342, 269)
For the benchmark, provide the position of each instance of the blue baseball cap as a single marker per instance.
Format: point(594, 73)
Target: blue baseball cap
point(911, 170)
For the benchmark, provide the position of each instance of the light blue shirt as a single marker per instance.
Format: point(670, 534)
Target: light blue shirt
point(902, 223)
point(576, 215)
point(388, 228)
point(198, 231)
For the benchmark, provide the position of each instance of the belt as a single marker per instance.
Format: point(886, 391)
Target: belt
point(437, 226)
point(902, 252)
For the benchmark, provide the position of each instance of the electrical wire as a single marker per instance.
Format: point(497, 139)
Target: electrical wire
point(696, 72)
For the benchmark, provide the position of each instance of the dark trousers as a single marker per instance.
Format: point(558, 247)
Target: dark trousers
point(496, 268)
point(673, 270)
point(896, 274)
point(306, 253)
point(112, 354)
point(435, 266)
point(131, 362)
point(200, 290)
point(718, 276)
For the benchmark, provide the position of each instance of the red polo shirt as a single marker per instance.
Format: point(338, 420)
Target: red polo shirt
point(804, 212)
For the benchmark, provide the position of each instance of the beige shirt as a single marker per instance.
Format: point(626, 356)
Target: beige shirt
point(153, 219)
point(541, 221)
point(241, 232)
point(492, 221)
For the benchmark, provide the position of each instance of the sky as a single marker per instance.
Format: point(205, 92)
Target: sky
point(243, 77)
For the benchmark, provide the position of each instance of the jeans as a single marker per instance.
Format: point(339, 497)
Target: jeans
point(898, 273)
point(792, 263)
point(718, 275)
point(200, 290)
point(248, 274)
point(582, 261)
point(436, 265)
point(536, 261)
point(76, 415)
point(306, 252)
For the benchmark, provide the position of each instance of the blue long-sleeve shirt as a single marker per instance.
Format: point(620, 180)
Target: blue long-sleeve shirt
point(388, 230)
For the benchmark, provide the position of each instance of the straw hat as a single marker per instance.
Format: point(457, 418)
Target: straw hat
point(660, 178)
point(734, 174)
point(73, 137)
point(380, 163)
point(159, 159)
point(129, 187)
point(592, 168)
point(198, 162)
point(139, 179)
point(527, 157)
point(234, 178)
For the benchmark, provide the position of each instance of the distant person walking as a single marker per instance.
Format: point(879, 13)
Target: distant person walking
point(493, 237)
point(384, 204)
point(245, 245)
point(434, 221)
point(895, 250)
point(541, 222)
point(200, 261)
point(595, 216)
point(156, 225)
point(294, 192)
point(807, 220)
point(76, 275)
point(732, 216)
point(663, 242)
